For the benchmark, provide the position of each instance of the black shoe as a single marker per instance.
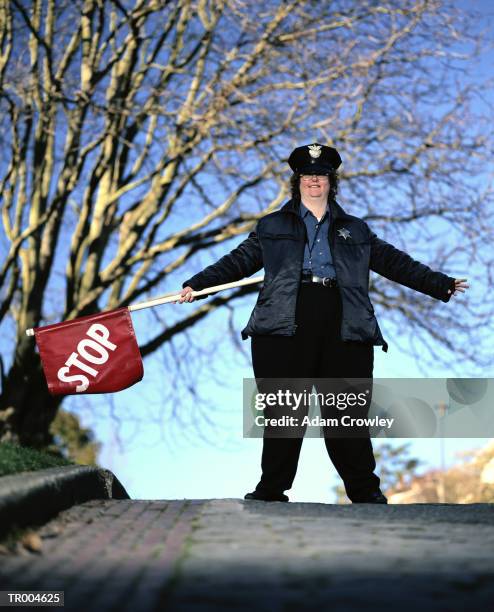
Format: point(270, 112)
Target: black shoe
point(376, 497)
point(281, 497)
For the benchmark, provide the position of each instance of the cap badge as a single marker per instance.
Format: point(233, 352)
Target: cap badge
point(315, 151)
point(344, 233)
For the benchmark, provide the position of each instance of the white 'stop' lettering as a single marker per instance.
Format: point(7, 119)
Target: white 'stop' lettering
point(94, 350)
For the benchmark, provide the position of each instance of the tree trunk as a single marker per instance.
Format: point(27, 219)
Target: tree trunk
point(26, 407)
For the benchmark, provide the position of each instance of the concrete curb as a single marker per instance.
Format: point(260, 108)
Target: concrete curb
point(32, 498)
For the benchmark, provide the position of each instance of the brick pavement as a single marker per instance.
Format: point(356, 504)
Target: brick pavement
point(203, 555)
point(106, 554)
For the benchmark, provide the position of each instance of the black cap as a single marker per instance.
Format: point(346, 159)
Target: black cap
point(314, 159)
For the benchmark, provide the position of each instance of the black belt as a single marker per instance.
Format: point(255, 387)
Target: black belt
point(327, 281)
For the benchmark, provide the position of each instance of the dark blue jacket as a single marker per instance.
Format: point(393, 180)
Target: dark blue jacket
point(277, 245)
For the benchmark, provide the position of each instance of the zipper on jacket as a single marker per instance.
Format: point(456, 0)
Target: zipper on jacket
point(299, 220)
point(330, 235)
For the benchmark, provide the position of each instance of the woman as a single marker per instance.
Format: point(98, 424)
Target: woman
point(313, 317)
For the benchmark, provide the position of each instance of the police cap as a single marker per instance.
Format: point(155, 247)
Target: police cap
point(314, 159)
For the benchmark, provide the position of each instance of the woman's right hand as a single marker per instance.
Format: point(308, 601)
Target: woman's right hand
point(186, 295)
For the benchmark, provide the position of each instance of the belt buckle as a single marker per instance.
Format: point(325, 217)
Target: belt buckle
point(325, 281)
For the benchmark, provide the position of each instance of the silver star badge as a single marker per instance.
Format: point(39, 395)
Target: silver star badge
point(344, 233)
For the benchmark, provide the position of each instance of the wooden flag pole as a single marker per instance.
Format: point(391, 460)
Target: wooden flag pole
point(173, 297)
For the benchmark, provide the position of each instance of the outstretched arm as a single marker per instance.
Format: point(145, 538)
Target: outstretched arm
point(243, 261)
point(398, 266)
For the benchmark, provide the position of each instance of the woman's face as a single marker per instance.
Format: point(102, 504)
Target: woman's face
point(314, 186)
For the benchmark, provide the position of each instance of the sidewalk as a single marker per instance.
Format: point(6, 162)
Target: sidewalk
point(219, 555)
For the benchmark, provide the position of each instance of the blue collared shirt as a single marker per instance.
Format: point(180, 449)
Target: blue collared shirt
point(318, 257)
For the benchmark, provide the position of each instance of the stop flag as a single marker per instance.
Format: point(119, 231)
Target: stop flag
point(92, 354)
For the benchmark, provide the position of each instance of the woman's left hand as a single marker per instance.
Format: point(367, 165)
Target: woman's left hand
point(460, 285)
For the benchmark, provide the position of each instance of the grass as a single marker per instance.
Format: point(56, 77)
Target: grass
point(15, 459)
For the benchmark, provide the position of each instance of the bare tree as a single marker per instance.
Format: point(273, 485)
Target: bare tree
point(137, 136)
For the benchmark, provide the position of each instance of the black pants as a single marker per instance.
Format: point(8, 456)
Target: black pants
point(316, 351)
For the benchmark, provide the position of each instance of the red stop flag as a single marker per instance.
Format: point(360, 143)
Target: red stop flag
point(92, 354)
